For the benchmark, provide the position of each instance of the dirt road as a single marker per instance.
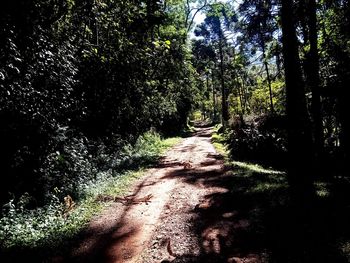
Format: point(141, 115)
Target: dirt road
point(183, 221)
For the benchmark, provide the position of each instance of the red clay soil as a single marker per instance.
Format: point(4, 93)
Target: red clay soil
point(184, 221)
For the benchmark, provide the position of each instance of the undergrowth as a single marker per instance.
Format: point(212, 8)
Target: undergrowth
point(48, 226)
point(218, 140)
point(283, 234)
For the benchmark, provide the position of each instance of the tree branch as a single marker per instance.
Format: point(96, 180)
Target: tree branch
point(188, 26)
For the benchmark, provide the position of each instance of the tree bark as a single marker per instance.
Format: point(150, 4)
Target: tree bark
point(214, 96)
point(244, 90)
point(268, 77)
point(299, 132)
point(240, 95)
point(314, 83)
point(224, 113)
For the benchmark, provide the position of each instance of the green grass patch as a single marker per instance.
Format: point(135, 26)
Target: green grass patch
point(167, 143)
point(218, 141)
point(255, 168)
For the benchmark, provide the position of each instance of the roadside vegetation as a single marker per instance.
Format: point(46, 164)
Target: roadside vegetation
point(263, 194)
point(54, 224)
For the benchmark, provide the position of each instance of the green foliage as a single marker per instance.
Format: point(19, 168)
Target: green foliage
point(259, 100)
point(196, 115)
point(82, 86)
point(219, 141)
point(78, 78)
point(21, 226)
point(261, 140)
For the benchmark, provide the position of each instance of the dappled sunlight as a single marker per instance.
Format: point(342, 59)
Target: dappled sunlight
point(322, 189)
point(256, 168)
point(102, 240)
point(253, 93)
point(266, 187)
point(213, 238)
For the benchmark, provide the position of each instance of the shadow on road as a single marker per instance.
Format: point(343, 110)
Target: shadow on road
point(249, 218)
point(244, 217)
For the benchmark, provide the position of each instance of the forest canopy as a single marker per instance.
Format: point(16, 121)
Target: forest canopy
point(76, 74)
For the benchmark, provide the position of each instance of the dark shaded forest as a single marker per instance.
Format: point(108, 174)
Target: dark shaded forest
point(86, 77)
point(90, 88)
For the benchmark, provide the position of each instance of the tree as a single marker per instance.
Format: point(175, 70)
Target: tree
point(308, 21)
point(335, 68)
point(258, 25)
point(212, 30)
point(299, 134)
point(77, 73)
point(204, 58)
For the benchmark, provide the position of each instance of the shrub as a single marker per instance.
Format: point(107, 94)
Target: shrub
point(261, 139)
point(77, 171)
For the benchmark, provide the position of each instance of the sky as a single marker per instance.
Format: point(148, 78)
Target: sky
point(199, 18)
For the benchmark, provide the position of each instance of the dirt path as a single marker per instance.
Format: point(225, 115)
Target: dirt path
point(181, 223)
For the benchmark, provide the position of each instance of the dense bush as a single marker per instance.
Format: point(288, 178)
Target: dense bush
point(72, 171)
point(262, 139)
point(80, 80)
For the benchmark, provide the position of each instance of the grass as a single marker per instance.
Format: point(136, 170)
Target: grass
point(262, 180)
point(255, 167)
point(43, 230)
point(320, 234)
point(218, 140)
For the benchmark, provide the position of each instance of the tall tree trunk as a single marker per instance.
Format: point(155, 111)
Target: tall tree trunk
point(299, 132)
point(344, 119)
point(314, 83)
point(299, 170)
point(151, 8)
point(207, 93)
point(214, 97)
point(240, 95)
point(244, 90)
point(224, 113)
point(268, 77)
